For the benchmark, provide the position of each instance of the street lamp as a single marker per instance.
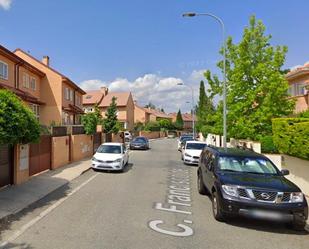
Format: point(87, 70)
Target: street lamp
point(224, 66)
point(193, 121)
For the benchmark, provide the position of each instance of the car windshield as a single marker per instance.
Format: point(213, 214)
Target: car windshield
point(247, 165)
point(184, 139)
point(111, 149)
point(139, 140)
point(195, 146)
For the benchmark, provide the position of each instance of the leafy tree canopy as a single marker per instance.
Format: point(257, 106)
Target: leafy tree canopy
point(179, 121)
point(110, 123)
point(18, 124)
point(256, 86)
point(91, 120)
point(150, 105)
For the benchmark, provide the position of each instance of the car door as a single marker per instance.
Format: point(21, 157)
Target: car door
point(209, 169)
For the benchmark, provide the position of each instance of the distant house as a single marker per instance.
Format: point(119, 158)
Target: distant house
point(103, 98)
point(93, 98)
point(62, 97)
point(187, 120)
point(299, 87)
point(145, 115)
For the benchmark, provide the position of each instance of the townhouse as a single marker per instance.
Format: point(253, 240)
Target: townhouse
point(145, 115)
point(23, 79)
point(299, 87)
point(187, 120)
point(61, 96)
point(103, 98)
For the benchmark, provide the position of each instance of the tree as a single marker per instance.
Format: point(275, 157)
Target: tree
point(179, 121)
point(162, 110)
point(256, 86)
point(205, 112)
point(150, 105)
point(18, 124)
point(91, 120)
point(110, 123)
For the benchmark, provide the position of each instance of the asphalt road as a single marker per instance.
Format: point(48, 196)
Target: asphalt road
point(131, 210)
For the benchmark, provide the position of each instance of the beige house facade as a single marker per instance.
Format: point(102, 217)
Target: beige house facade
point(23, 79)
point(299, 87)
point(62, 97)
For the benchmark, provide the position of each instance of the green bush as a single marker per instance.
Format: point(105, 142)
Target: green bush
point(291, 136)
point(304, 114)
point(267, 144)
point(152, 126)
point(17, 122)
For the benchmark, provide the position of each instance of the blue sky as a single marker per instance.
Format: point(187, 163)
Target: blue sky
point(144, 46)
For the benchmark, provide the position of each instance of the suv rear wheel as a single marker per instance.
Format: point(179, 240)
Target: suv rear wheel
point(200, 185)
point(216, 208)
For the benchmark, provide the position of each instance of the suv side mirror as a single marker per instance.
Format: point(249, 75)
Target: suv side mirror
point(285, 172)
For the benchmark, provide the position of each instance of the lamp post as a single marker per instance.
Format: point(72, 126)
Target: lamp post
point(224, 66)
point(193, 116)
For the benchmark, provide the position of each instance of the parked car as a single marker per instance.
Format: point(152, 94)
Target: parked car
point(192, 151)
point(183, 139)
point(139, 143)
point(110, 156)
point(171, 134)
point(244, 183)
point(127, 135)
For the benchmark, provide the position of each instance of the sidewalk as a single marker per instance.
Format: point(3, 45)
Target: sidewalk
point(299, 172)
point(15, 198)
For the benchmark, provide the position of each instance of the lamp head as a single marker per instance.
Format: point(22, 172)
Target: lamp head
point(189, 14)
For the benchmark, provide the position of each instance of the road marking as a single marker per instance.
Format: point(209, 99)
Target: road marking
point(25, 227)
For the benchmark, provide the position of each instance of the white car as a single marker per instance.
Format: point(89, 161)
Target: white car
point(110, 156)
point(192, 151)
point(127, 135)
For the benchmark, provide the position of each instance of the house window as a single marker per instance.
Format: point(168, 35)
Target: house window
point(36, 110)
point(77, 100)
point(26, 80)
point(71, 95)
point(33, 83)
point(67, 93)
point(298, 89)
point(3, 70)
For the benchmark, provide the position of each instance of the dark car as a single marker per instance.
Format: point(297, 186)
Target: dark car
point(244, 183)
point(182, 141)
point(139, 143)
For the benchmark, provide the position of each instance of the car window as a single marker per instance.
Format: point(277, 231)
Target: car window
point(195, 146)
point(139, 140)
point(112, 149)
point(247, 165)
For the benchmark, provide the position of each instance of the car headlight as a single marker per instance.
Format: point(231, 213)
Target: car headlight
point(118, 160)
point(95, 160)
point(187, 155)
point(297, 197)
point(230, 190)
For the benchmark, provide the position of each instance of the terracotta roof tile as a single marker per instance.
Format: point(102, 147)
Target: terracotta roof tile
point(92, 97)
point(122, 99)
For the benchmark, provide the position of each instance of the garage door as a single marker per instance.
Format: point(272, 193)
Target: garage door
point(6, 165)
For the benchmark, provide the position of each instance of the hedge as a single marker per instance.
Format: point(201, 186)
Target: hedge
point(291, 136)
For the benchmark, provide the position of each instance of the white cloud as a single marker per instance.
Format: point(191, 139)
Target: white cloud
point(161, 91)
point(6, 4)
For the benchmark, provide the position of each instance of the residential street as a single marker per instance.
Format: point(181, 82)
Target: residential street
point(116, 210)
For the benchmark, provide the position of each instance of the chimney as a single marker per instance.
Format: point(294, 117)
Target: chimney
point(45, 60)
point(104, 90)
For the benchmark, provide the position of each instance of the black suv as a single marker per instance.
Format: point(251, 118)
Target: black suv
point(242, 182)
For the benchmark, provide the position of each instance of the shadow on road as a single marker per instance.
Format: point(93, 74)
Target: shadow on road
point(6, 223)
point(17, 246)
